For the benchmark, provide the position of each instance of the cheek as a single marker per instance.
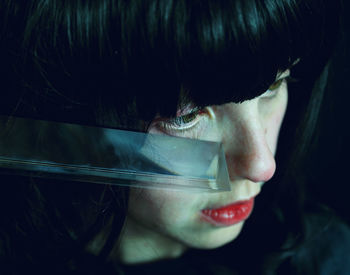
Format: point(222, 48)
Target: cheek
point(161, 208)
point(274, 121)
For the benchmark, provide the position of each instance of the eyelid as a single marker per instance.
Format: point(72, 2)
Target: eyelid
point(276, 85)
point(190, 109)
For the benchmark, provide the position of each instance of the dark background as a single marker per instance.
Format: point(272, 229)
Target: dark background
point(329, 167)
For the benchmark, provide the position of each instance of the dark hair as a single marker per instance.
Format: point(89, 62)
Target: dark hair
point(118, 64)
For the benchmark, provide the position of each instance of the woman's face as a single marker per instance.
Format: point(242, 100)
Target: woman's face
point(164, 223)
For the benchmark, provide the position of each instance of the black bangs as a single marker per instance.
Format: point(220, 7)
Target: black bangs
point(219, 51)
point(136, 56)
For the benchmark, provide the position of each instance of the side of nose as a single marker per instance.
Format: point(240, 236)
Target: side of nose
point(247, 152)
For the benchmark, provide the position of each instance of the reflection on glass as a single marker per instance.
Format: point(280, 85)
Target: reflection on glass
point(110, 156)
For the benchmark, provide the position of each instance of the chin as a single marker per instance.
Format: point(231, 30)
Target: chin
point(218, 237)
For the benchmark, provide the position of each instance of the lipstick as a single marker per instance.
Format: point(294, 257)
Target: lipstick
point(229, 214)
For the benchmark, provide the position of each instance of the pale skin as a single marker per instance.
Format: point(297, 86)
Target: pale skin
point(163, 223)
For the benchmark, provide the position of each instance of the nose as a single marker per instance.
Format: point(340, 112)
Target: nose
point(252, 163)
point(247, 152)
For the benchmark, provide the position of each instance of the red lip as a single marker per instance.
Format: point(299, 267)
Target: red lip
point(229, 214)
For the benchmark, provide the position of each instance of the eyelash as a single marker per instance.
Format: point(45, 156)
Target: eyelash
point(182, 123)
point(274, 87)
point(188, 121)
